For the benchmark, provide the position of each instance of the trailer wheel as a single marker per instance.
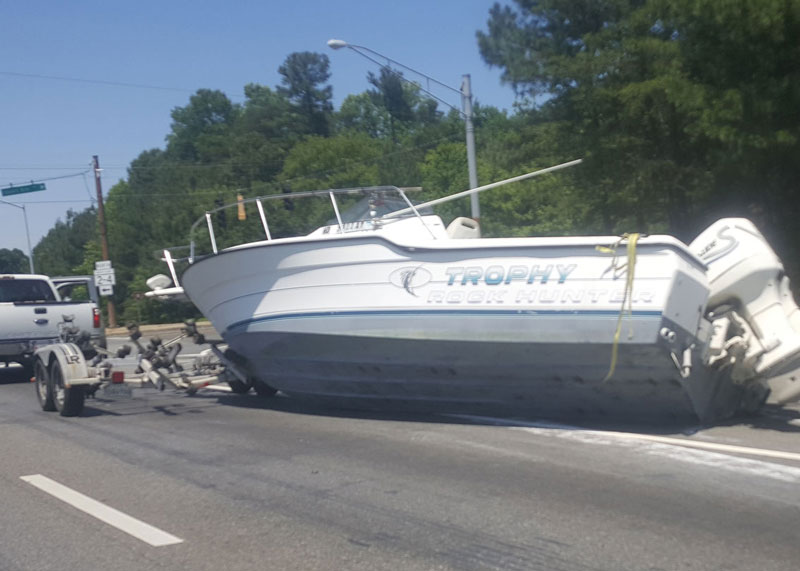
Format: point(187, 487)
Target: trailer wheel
point(263, 389)
point(44, 388)
point(68, 400)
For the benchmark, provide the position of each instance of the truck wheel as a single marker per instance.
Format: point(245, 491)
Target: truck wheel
point(44, 388)
point(263, 389)
point(68, 400)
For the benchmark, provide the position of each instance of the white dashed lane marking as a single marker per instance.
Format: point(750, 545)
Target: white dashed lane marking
point(115, 518)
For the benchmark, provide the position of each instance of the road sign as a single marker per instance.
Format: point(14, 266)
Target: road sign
point(103, 278)
point(23, 189)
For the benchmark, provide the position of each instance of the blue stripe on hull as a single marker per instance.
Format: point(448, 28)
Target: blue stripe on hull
point(527, 313)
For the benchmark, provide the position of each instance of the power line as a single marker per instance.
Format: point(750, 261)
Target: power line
point(104, 82)
point(96, 81)
point(39, 168)
point(86, 185)
point(47, 179)
point(81, 200)
point(347, 164)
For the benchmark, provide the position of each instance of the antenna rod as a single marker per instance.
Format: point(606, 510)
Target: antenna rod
point(485, 187)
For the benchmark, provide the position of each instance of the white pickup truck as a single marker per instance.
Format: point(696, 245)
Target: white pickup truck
point(33, 313)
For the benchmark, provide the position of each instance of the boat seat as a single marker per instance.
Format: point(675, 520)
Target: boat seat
point(463, 227)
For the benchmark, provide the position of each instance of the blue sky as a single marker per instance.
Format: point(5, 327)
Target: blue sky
point(51, 128)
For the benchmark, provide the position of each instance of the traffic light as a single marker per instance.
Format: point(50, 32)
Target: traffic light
point(241, 214)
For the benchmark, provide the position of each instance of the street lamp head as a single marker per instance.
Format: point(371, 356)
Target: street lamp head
point(337, 44)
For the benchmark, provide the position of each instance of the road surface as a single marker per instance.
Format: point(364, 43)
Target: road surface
point(236, 482)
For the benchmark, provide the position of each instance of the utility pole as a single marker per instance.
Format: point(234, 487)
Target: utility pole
point(101, 218)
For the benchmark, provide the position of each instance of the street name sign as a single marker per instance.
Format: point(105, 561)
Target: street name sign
point(11, 190)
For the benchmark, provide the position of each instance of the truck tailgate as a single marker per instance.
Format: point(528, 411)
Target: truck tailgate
point(23, 320)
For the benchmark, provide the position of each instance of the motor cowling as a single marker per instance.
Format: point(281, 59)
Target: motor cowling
point(745, 273)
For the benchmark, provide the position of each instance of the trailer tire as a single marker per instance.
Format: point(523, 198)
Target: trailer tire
point(263, 389)
point(68, 400)
point(44, 388)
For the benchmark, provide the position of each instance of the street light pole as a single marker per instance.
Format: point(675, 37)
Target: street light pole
point(27, 232)
point(466, 101)
point(466, 111)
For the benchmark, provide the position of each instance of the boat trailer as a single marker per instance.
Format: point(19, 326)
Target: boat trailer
point(67, 373)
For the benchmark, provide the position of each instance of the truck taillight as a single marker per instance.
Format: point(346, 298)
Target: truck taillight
point(117, 377)
point(96, 318)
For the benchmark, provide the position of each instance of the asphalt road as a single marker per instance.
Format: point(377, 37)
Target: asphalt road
point(239, 482)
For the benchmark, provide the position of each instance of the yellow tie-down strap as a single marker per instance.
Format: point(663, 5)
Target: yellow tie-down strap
point(628, 295)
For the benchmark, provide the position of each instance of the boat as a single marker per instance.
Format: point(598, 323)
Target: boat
point(385, 305)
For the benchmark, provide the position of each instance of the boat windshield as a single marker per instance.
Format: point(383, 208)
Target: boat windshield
point(375, 205)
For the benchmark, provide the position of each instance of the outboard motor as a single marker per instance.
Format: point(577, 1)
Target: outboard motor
point(750, 291)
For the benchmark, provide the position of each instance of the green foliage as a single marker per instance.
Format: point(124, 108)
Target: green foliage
point(684, 110)
point(200, 130)
point(61, 249)
point(303, 75)
point(362, 113)
point(343, 161)
point(13, 261)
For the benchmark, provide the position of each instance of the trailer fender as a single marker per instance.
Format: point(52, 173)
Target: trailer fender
point(69, 357)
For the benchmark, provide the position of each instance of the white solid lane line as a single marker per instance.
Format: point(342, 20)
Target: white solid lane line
point(705, 445)
point(710, 454)
point(554, 428)
point(124, 522)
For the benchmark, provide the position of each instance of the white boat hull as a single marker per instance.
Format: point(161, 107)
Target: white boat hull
point(524, 323)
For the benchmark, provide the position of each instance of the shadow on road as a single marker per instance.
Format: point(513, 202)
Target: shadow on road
point(771, 417)
point(12, 374)
point(424, 412)
point(169, 403)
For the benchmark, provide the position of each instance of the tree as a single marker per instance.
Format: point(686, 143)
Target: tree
point(303, 75)
point(61, 249)
point(347, 160)
point(743, 60)
point(407, 107)
point(667, 119)
point(363, 113)
point(391, 93)
point(199, 130)
point(13, 261)
point(264, 131)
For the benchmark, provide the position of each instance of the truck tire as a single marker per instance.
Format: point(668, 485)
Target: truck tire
point(44, 388)
point(68, 400)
